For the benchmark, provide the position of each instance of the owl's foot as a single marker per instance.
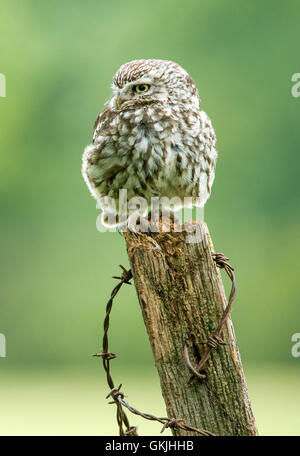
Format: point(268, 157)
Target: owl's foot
point(145, 226)
point(133, 229)
point(139, 225)
point(165, 222)
point(127, 226)
point(123, 230)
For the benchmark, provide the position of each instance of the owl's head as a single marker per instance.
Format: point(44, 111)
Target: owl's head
point(142, 82)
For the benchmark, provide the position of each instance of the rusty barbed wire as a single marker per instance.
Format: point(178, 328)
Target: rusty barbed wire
point(107, 356)
point(215, 339)
point(116, 393)
point(167, 422)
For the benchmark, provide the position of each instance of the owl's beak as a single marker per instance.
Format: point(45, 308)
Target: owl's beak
point(118, 101)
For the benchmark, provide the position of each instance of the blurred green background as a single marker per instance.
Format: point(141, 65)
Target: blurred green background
point(59, 58)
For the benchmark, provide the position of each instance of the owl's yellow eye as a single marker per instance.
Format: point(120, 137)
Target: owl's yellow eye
point(141, 88)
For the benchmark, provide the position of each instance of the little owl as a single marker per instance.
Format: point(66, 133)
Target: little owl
point(152, 139)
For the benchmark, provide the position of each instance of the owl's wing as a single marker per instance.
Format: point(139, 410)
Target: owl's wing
point(100, 162)
point(102, 123)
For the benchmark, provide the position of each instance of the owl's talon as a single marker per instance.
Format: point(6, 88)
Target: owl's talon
point(156, 247)
point(152, 229)
point(132, 230)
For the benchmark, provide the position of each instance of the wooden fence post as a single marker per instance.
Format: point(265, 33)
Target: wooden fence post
point(182, 298)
